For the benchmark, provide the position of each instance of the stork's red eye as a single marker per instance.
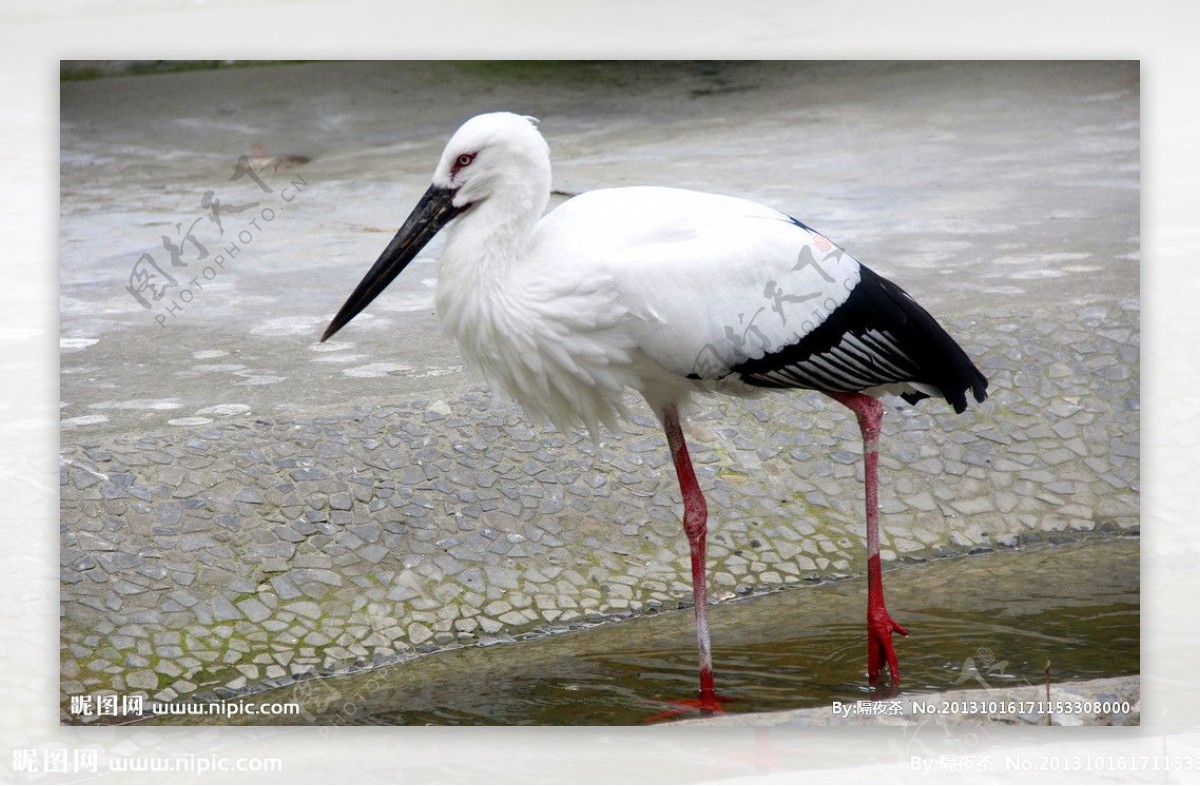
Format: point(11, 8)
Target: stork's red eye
point(465, 159)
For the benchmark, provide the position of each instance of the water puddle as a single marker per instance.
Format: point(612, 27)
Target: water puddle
point(984, 620)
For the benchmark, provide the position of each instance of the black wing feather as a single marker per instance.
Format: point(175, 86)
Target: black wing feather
point(879, 336)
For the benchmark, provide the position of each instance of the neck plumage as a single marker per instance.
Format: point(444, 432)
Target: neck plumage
point(520, 323)
point(477, 280)
point(492, 235)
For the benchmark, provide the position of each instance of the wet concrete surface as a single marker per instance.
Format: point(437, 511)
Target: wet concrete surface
point(241, 504)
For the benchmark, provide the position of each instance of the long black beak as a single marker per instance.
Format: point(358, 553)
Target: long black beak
point(432, 213)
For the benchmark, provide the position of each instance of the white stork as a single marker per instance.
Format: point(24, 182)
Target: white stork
point(668, 292)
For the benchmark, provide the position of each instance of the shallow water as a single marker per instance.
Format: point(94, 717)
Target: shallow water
point(983, 620)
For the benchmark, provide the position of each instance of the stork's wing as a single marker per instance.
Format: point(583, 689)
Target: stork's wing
point(718, 286)
point(711, 281)
point(878, 339)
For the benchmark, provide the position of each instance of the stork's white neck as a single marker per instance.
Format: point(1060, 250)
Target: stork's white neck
point(493, 234)
point(553, 339)
point(476, 276)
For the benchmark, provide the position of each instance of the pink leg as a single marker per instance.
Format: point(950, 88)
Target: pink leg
point(880, 624)
point(695, 525)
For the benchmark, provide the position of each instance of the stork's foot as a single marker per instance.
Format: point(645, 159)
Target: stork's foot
point(713, 704)
point(880, 627)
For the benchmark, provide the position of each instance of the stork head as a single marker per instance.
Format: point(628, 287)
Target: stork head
point(498, 155)
point(496, 164)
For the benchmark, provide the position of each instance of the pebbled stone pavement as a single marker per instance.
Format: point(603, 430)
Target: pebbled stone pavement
point(257, 550)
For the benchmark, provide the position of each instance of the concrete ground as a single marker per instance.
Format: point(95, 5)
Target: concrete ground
point(242, 505)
